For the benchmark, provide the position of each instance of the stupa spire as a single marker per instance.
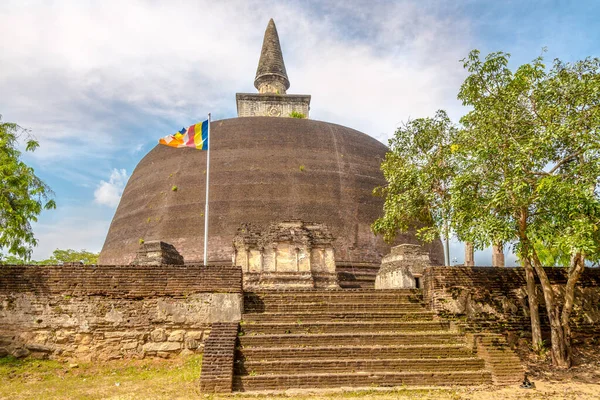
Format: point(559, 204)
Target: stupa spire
point(271, 76)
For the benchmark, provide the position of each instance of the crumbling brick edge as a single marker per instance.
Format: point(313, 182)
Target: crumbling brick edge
point(218, 358)
point(503, 363)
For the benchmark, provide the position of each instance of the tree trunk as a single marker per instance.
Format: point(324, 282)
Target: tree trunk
point(469, 255)
point(498, 255)
point(557, 334)
point(534, 314)
point(576, 268)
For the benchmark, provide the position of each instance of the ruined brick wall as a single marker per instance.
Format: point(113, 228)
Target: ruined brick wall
point(107, 312)
point(496, 298)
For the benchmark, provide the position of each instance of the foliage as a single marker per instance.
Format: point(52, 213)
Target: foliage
point(23, 195)
point(69, 256)
point(524, 168)
point(419, 169)
point(530, 149)
point(13, 260)
point(58, 257)
point(297, 114)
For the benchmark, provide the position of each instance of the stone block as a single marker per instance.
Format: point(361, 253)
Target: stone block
point(20, 352)
point(196, 335)
point(158, 335)
point(176, 336)
point(83, 338)
point(130, 345)
point(38, 348)
point(162, 347)
point(191, 343)
point(186, 353)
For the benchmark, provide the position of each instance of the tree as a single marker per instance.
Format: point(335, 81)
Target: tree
point(419, 169)
point(524, 168)
point(530, 148)
point(22, 194)
point(70, 255)
point(58, 257)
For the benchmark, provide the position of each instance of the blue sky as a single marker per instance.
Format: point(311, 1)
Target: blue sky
point(98, 83)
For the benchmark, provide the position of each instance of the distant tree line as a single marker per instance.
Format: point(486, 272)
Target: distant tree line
point(58, 257)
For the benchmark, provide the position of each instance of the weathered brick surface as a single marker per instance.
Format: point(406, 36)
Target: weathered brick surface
point(120, 281)
point(320, 339)
point(372, 338)
point(355, 351)
point(341, 326)
point(375, 365)
point(502, 362)
point(217, 361)
point(273, 382)
point(495, 299)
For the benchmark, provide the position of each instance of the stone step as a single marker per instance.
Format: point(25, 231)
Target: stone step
point(344, 339)
point(304, 317)
point(357, 284)
point(359, 298)
point(356, 276)
point(436, 351)
point(332, 307)
point(359, 379)
point(340, 327)
point(359, 365)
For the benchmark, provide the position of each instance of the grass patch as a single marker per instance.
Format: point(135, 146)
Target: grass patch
point(132, 379)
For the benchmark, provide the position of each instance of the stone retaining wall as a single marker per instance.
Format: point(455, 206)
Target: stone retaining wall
point(109, 312)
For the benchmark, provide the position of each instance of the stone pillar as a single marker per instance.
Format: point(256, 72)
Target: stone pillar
point(469, 255)
point(296, 251)
point(275, 257)
point(247, 264)
point(498, 255)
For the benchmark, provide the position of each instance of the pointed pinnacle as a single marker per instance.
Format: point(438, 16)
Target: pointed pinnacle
point(271, 68)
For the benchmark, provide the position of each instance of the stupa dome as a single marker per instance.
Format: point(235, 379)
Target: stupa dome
point(264, 168)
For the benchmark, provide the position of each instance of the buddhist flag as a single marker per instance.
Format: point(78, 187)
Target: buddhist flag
point(194, 136)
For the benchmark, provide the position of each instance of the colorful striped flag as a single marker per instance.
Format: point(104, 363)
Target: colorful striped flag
point(194, 136)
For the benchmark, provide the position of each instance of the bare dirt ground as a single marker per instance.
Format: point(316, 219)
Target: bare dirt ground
point(178, 379)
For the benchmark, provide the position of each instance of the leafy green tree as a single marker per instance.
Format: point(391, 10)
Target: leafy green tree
point(524, 168)
point(419, 169)
point(69, 256)
point(23, 195)
point(530, 149)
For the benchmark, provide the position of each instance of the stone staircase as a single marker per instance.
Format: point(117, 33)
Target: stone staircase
point(357, 338)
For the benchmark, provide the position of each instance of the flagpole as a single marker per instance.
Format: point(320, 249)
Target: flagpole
point(206, 205)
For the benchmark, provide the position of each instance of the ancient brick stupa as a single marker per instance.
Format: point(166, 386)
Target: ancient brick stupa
point(266, 167)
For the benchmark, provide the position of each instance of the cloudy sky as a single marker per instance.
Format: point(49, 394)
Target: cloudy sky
point(97, 82)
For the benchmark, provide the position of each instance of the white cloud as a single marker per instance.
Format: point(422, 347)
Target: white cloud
point(93, 70)
point(71, 228)
point(91, 79)
point(109, 193)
